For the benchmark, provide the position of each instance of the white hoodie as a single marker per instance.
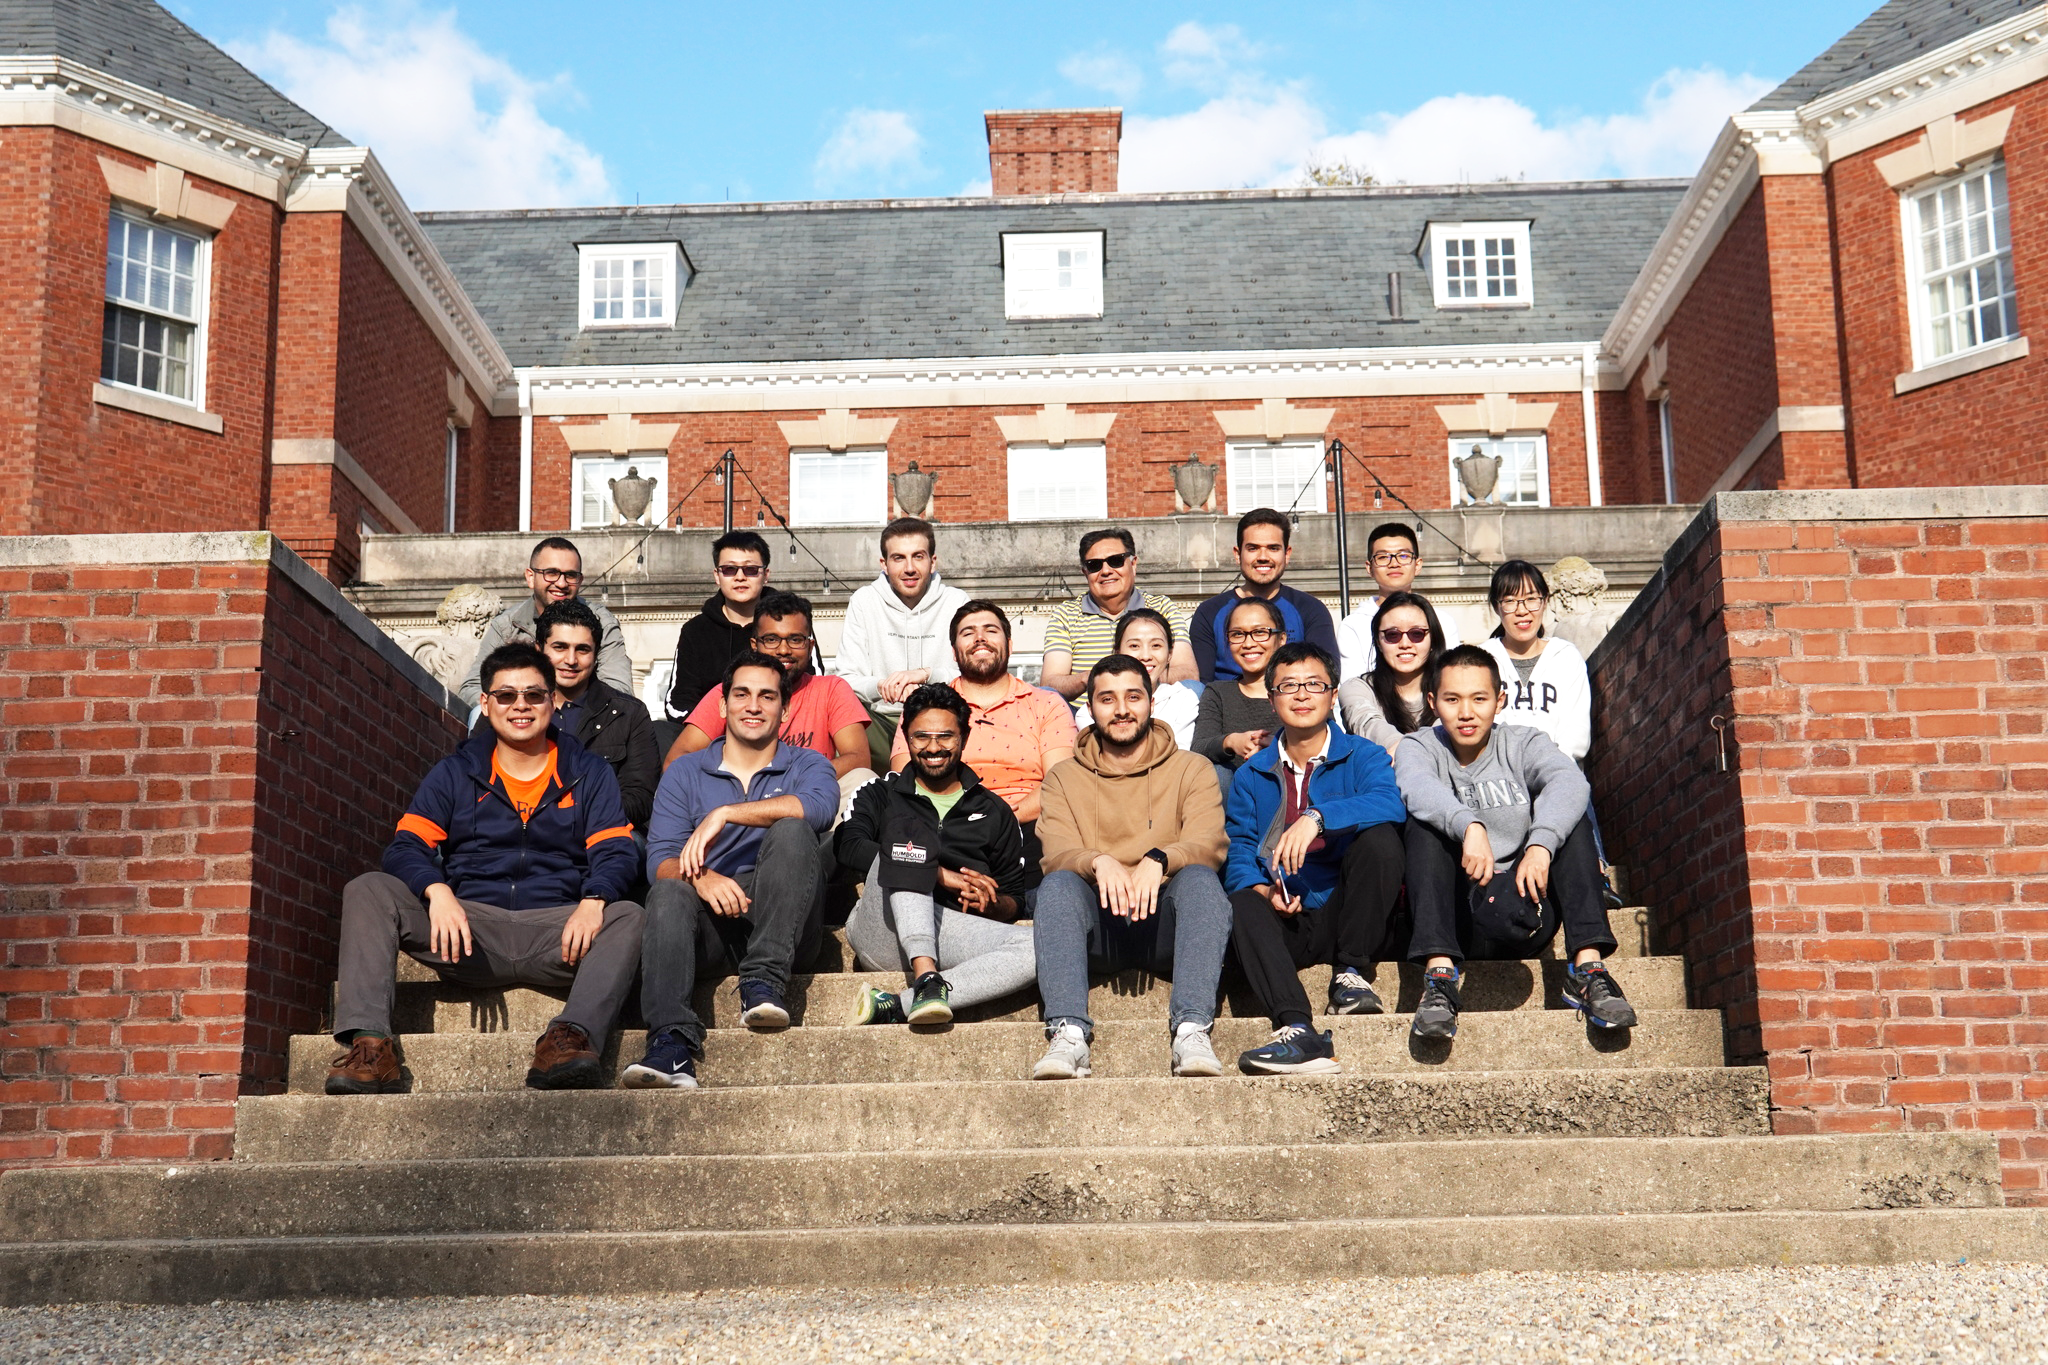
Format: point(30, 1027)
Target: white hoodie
point(1557, 699)
point(882, 636)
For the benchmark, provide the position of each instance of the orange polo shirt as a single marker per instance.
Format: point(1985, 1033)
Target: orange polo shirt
point(1006, 742)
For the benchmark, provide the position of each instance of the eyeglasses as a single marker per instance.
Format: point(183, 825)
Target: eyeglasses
point(1393, 559)
point(1238, 637)
point(1508, 604)
point(741, 570)
point(1107, 562)
point(1414, 635)
point(1310, 687)
point(559, 575)
point(532, 696)
point(782, 641)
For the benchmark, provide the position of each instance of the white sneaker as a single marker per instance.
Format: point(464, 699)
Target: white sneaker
point(1066, 1055)
point(1192, 1055)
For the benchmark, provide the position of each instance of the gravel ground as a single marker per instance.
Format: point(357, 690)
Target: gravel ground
point(1899, 1313)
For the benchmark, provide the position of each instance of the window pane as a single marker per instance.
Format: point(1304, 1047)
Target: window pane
point(1287, 477)
point(146, 352)
point(594, 505)
point(849, 489)
point(1048, 484)
point(1520, 482)
point(1966, 288)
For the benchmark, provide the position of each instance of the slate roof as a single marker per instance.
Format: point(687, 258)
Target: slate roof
point(1897, 32)
point(1229, 271)
point(145, 44)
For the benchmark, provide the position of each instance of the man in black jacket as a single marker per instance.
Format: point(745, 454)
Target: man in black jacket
point(945, 876)
point(715, 636)
point(610, 723)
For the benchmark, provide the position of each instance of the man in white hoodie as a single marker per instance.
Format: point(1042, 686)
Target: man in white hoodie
point(897, 630)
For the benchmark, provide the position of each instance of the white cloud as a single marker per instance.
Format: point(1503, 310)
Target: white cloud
point(871, 145)
point(456, 126)
point(1208, 58)
point(1110, 71)
point(1230, 142)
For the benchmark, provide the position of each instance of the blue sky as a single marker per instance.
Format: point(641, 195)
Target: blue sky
point(522, 103)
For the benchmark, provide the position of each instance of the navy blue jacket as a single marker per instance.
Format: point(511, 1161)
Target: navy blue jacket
point(576, 844)
point(1353, 788)
point(1306, 617)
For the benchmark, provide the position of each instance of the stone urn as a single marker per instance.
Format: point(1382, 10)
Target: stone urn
point(631, 495)
point(913, 490)
point(1194, 481)
point(1480, 473)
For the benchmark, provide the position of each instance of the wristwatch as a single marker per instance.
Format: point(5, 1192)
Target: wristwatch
point(1157, 856)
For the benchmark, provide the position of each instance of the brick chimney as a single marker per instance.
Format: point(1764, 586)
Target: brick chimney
point(1053, 151)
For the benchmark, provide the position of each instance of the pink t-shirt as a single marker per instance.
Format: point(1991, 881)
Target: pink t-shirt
point(821, 708)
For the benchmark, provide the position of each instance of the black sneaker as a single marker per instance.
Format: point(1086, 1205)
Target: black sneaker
point(1351, 992)
point(1294, 1051)
point(877, 1006)
point(1593, 992)
point(1436, 1014)
point(761, 1006)
point(930, 1000)
point(670, 1064)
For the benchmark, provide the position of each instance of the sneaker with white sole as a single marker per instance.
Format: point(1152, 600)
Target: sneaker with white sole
point(761, 1006)
point(670, 1064)
point(1294, 1051)
point(1066, 1055)
point(1192, 1053)
point(1351, 992)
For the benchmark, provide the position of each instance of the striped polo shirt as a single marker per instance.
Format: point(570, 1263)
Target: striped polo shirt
point(1082, 628)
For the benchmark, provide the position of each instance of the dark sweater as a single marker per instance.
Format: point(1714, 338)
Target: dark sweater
point(1226, 710)
point(706, 645)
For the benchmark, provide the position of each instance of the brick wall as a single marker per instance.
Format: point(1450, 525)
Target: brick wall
point(185, 792)
point(1053, 151)
point(1866, 888)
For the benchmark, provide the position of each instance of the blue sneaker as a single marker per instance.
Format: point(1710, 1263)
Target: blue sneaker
point(1294, 1051)
point(1351, 992)
point(1593, 992)
point(761, 1006)
point(670, 1064)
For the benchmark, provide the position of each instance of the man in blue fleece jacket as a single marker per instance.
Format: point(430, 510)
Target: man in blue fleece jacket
point(509, 868)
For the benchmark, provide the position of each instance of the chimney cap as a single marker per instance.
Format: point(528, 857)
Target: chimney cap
point(989, 116)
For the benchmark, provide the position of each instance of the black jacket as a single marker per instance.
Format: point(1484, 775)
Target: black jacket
point(891, 817)
point(615, 726)
point(705, 646)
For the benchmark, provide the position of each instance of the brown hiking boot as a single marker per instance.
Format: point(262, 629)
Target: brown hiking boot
point(563, 1059)
point(369, 1067)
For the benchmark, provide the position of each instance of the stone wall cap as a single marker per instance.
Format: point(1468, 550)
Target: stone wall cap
point(1883, 504)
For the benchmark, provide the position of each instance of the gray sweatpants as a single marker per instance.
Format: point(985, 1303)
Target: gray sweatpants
point(982, 958)
point(380, 916)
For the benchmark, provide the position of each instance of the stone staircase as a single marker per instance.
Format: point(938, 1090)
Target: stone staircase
point(834, 1156)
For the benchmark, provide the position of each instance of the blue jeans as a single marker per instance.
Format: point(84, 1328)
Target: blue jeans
point(1183, 939)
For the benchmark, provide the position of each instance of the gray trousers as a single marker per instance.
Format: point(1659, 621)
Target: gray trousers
point(982, 958)
point(380, 916)
point(1183, 939)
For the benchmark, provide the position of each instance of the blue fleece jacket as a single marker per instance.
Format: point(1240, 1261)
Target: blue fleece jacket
point(1353, 788)
point(696, 784)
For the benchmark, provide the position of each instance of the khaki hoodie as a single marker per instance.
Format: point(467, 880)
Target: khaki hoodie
point(1160, 797)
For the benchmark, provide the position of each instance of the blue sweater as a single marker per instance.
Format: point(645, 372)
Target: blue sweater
point(1353, 788)
point(696, 784)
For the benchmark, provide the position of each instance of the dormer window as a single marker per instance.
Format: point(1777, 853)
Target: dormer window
point(1480, 265)
point(630, 285)
point(1052, 275)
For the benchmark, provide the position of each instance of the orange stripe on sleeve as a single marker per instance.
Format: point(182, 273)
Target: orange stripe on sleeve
point(615, 832)
point(429, 833)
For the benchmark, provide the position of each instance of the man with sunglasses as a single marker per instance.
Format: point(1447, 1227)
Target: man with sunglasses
point(715, 636)
point(509, 868)
point(1315, 863)
point(554, 573)
point(1396, 557)
point(1264, 547)
point(1083, 631)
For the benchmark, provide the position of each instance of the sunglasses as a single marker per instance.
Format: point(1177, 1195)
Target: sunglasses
point(741, 570)
point(1414, 635)
point(1107, 562)
point(532, 696)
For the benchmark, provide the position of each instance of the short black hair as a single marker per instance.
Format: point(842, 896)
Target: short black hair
point(510, 659)
point(1142, 614)
point(1394, 530)
point(1272, 610)
point(567, 612)
point(1464, 656)
point(1266, 516)
point(752, 658)
point(974, 606)
point(740, 540)
point(935, 697)
point(1515, 574)
point(910, 526)
point(555, 543)
point(781, 603)
point(1117, 663)
point(1089, 538)
point(1302, 652)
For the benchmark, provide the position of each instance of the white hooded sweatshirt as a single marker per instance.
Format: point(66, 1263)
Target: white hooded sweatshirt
point(1557, 699)
point(882, 636)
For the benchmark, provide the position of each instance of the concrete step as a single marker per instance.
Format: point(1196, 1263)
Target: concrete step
point(954, 1117)
point(1505, 1041)
point(166, 1271)
point(1089, 1185)
point(827, 998)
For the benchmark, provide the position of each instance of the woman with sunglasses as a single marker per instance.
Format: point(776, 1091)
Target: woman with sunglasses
point(1386, 702)
point(1545, 677)
point(1145, 635)
point(1235, 719)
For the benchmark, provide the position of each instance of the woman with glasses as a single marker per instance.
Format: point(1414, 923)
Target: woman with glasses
point(1145, 635)
point(1546, 678)
point(1235, 718)
point(1386, 702)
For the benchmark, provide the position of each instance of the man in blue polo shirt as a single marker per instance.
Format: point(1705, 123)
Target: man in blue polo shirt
point(1264, 547)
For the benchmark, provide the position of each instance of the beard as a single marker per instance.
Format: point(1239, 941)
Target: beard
point(976, 671)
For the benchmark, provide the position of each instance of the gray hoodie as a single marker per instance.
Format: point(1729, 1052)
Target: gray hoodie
point(1521, 788)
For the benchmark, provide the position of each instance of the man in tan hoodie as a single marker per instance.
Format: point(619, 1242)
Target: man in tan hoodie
point(1132, 826)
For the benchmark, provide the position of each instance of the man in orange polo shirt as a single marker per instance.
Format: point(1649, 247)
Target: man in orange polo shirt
point(1017, 731)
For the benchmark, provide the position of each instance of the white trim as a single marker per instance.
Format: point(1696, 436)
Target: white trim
point(1275, 419)
point(1591, 410)
point(1034, 458)
point(674, 274)
point(837, 430)
point(200, 322)
point(1514, 231)
point(875, 512)
point(1978, 67)
point(452, 452)
point(1082, 298)
point(154, 405)
point(1945, 147)
point(1665, 445)
point(320, 450)
point(1306, 495)
point(1811, 417)
point(1460, 498)
point(525, 454)
point(1909, 201)
point(1969, 362)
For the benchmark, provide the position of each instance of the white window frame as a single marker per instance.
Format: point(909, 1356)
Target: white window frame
point(1024, 298)
point(1913, 202)
point(202, 294)
point(451, 452)
point(870, 509)
point(1296, 493)
point(1038, 474)
point(1670, 451)
point(1513, 233)
point(675, 274)
point(651, 464)
point(1460, 446)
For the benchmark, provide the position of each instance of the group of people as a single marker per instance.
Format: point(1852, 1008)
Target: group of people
point(1255, 782)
